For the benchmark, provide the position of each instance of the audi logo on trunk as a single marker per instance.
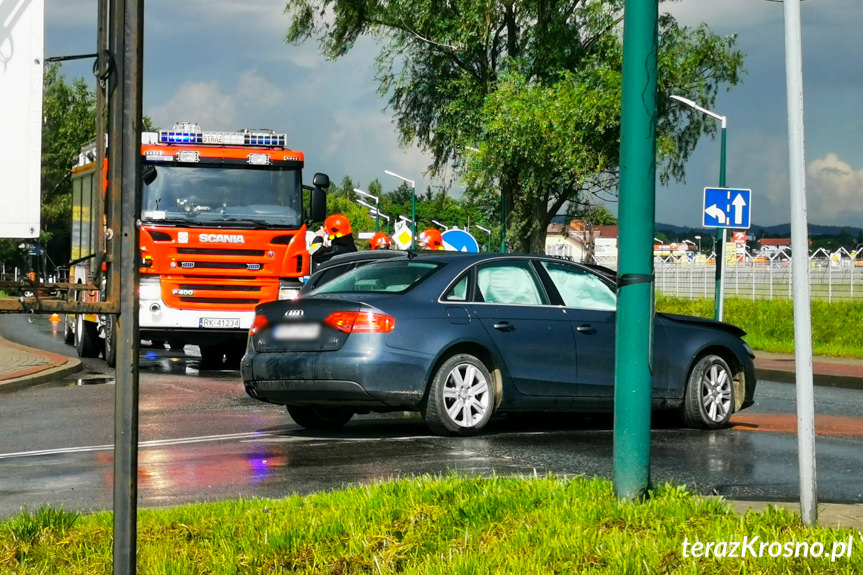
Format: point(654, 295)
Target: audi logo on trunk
point(294, 313)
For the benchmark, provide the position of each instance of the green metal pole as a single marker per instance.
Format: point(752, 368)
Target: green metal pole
point(502, 223)
point(720, 235)
point(634, 329)
point(414, 213)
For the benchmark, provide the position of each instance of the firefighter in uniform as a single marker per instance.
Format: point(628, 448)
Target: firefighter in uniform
point(381, 241)
point(431, 239)
point(337, 229)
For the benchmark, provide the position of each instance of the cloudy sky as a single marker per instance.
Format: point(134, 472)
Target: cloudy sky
point(224, 64)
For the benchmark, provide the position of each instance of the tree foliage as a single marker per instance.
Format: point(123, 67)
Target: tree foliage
point(534, 85)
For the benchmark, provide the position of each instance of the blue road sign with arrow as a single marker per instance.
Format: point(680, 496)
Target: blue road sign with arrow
point(458, 240)
point(726, 208)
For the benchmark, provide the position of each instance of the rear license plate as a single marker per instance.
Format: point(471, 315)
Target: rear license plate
point(220, 322)
point(297, 331)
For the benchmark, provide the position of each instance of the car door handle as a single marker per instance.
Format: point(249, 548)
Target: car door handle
point(504, 326)
point(587, 328)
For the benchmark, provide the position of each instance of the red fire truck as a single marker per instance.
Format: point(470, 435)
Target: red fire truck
point(222, 228)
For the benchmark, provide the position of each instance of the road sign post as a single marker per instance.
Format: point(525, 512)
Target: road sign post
point(725, 208)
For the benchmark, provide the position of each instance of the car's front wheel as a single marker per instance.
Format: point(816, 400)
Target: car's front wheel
point(461, 397)
point(709, 400)
point(319, 417)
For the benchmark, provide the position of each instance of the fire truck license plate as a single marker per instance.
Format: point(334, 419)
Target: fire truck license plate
point(297, 331)
point(220, 322)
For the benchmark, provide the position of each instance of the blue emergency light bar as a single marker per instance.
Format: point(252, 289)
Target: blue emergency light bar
point(172, 137)
point(189, 133)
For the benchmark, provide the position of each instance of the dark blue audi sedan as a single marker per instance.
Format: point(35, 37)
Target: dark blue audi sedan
point(459, 337)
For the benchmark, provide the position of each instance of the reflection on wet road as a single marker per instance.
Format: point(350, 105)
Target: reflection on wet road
point(202, 439)
point(283, 460)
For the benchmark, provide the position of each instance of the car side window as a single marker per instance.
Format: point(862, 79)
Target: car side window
point(332, 273)
point(510, 282)
point(581, 288)
point(458, 292)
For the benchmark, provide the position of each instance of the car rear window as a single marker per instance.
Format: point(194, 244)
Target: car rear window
point(383, 277)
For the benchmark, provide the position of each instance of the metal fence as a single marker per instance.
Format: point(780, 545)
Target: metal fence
point(828, 280)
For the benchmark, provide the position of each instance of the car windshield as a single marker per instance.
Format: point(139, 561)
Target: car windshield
point(382, 277)
point(223, 194)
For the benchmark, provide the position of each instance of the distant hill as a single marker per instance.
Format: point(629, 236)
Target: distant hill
point(780, 230)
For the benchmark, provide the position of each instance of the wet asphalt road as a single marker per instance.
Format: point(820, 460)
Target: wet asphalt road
point(202, 438)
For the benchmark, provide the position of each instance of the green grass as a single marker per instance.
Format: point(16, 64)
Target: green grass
point(769, 324)
point(444, 525)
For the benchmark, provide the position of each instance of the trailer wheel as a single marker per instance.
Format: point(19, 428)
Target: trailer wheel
point(87, 338)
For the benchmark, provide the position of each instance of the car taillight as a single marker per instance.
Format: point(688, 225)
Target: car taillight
point(259, 324)
point(361, 322)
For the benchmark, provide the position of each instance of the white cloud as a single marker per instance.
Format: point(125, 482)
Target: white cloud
point(201, 102)
point(834, 191)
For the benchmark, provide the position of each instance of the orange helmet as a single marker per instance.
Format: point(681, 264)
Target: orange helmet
point(381, 241)
point(337, 226)
point(431, 239)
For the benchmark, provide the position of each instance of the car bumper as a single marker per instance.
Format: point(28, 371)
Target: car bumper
point(385, 380)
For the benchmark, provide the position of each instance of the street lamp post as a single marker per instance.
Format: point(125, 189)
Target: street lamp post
point(699, 243)
point(440, 225)
point(720, 234)
point(377, 204)
point(413, 201)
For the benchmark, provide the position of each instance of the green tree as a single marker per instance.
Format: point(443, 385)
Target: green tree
point(533, 84)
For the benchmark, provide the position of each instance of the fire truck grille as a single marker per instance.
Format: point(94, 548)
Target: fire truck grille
point(218, 300)
point(233, 287)
point(220, 252)
point(221, 266)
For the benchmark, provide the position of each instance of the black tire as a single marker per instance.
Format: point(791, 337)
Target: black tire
point(211, 356)
point(68, 330)
point(111, 341)
point(709, 400)
point(87, 341)
point(234, 350)
point(319, 417)
point(461, 397)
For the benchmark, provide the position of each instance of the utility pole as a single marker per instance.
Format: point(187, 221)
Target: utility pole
point(125, 87)
point(634, 329)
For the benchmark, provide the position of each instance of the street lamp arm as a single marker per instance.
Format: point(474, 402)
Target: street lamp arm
point(691, 104)
point(365, 204)
point(393, 174)
point(367, 195)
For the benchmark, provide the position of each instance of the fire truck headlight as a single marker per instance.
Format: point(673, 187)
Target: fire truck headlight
point(150, 289)
point(289, 289)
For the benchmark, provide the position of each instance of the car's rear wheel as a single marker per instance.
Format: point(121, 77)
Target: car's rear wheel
point(461, 397)
point(319, 417)
point(709, 400)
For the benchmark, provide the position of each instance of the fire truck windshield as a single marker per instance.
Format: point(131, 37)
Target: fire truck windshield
point(222, 195)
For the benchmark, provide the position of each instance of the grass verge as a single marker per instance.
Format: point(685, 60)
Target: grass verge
point(769, 324)
point(437, 525)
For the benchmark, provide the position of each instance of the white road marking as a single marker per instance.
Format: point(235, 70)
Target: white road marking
point(142, 444)
point(257, 436)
